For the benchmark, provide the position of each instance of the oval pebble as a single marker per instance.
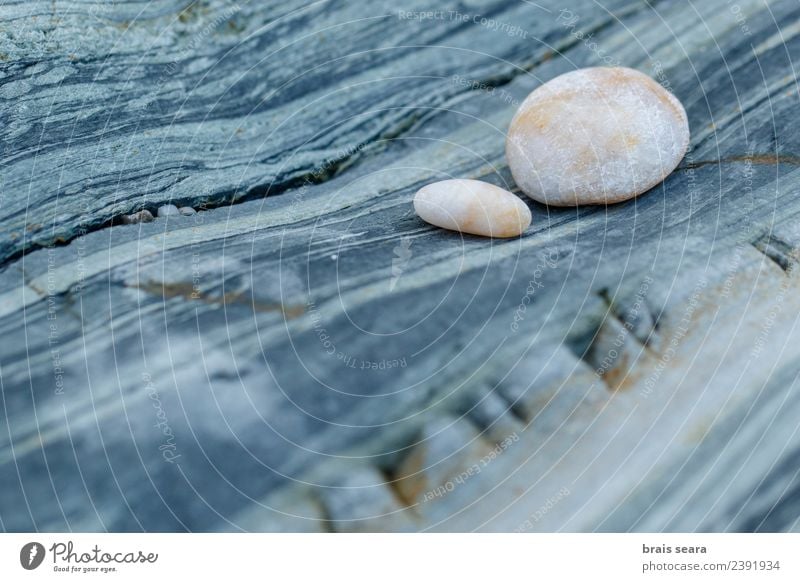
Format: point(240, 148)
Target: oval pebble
point(167, 210)
point(187, 211)
point(137, 217)
point(472, 207)
point(596, 136)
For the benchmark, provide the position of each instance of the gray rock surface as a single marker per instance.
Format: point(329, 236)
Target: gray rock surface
point(305, 331)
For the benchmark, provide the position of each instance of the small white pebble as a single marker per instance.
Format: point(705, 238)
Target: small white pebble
point(334, 257)
point(167, 210)
point(137, 217)
point(596, 136)
point(187, 211)
point(472, 207)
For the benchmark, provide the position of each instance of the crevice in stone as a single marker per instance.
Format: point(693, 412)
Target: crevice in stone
point(392, 481)
point(779, 252)
point(604, 349)
point(570, 41)
point(770, 159)
point(323, 172)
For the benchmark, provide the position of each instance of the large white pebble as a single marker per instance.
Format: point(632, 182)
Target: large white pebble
point(472, 207)
point(596, 136)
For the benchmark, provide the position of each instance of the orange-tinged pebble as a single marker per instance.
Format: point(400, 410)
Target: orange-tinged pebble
point(596, 136)
point(472, 207)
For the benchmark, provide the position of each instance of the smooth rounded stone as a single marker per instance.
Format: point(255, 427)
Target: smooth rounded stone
point(472, 207)
point(596, 136)
point(167, 210)
point(137, 217)
point(187, 211)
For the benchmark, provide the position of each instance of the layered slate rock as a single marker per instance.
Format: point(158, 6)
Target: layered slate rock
point(303, 338)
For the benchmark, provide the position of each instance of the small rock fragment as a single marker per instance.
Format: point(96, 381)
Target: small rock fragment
point(472, 207)
point(167, 210)
point(187, 211)
point(137, 217)
point(596, 136)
